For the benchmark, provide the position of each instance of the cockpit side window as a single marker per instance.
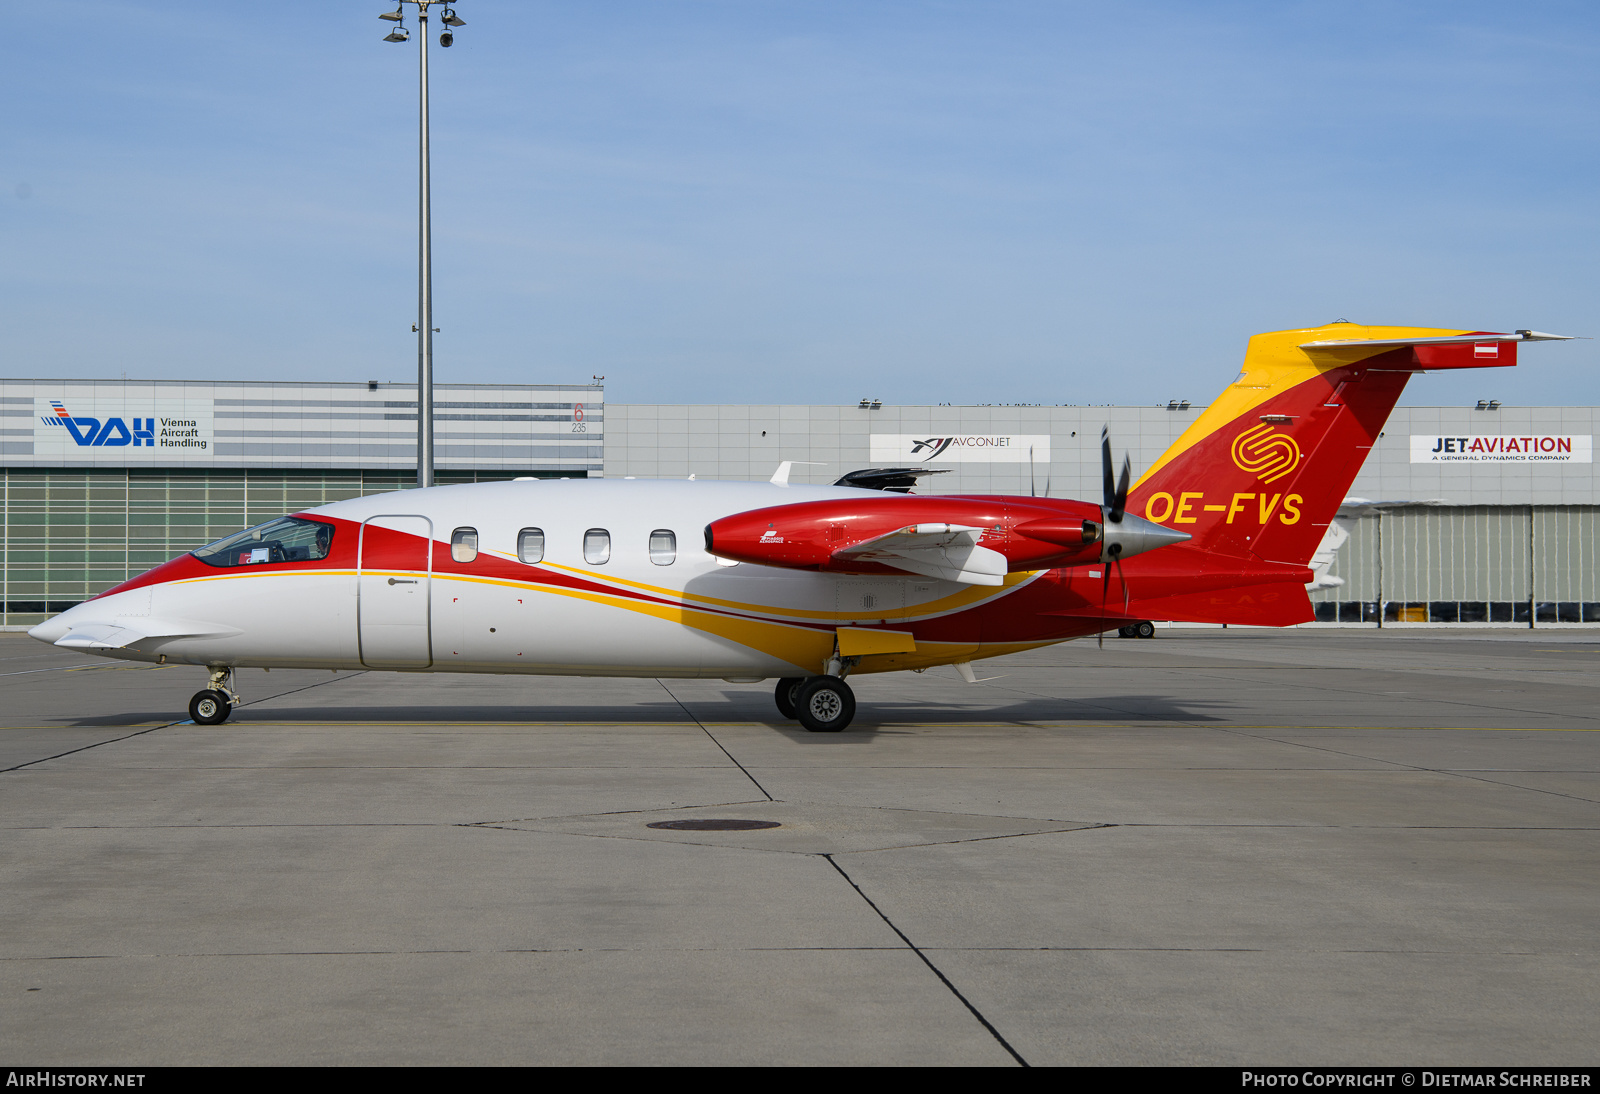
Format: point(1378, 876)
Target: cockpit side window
point(286, 539)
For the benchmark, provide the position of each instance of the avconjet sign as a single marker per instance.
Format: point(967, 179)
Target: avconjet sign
point(1525, 448)
point(914, 448)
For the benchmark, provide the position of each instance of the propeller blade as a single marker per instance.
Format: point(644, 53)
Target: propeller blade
point(1110, 491)
point(1120, 502)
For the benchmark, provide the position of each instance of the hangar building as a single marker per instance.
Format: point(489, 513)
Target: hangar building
point(1463, 535)
point(101, 480)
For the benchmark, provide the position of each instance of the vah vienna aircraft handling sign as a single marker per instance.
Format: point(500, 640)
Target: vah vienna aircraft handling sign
point(904, 448)
point(1547, 448)
point(162, 430)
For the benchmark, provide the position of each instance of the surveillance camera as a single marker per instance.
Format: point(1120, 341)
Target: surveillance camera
point(447, 39)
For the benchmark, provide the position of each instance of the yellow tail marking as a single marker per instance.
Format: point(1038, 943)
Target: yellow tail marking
point(1274, 363)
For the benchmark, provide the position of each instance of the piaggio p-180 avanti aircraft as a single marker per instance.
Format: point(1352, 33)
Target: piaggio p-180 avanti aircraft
point(807, 584)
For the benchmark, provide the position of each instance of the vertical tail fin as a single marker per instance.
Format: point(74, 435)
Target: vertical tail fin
point(1261, 473)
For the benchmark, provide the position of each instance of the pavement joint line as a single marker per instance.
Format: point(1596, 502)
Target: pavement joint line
point(85, 748)
point(140, 733)
point(716, 742)
point(19, 958)
point(823, 804)
point(203, 954)
point(943, 979)
point(1451, 772)
point(232, 825)
point(1372, 827)
point(790, 850)
point(1368, 692)
point(947, 724)
point(625, 812)
point(1098, 826)
point(67, 668)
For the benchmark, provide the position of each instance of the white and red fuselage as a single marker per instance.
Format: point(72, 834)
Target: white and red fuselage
point(607, 577)
point(622, 584)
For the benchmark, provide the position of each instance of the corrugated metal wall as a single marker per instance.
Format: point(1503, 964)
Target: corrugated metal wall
point(1448, 553)
point(1467, 564)
point(1564, 553)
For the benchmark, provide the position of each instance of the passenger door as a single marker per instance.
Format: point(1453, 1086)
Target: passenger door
point(394, 577)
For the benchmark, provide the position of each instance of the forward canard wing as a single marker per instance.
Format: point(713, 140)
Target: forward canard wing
point(124, 632)
point(946, 551)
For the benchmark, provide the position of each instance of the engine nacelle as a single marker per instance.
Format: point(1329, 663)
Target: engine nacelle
point(1037, 534)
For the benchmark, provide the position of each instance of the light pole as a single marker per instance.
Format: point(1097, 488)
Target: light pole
point(424, 324)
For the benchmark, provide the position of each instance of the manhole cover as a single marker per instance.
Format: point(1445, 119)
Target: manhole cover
point(714, 824)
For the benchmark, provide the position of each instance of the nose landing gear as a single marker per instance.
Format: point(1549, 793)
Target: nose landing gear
point(212, 706)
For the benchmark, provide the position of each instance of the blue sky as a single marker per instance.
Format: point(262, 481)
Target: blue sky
point(799, 202)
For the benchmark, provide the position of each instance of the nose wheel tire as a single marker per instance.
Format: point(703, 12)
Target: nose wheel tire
point(209, 708)
point(784, 694)
point(825, 704)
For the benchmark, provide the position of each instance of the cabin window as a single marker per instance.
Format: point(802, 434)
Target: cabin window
point(287, 539)
point(530, 545)
point(464, 544)
point(663, 547)
point(596, 546)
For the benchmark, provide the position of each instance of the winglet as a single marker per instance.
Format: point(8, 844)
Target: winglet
point(780, 477)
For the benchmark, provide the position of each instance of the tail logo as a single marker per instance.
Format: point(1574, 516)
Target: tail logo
point(1264, 453)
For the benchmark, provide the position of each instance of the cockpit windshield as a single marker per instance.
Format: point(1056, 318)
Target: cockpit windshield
point(287, 539)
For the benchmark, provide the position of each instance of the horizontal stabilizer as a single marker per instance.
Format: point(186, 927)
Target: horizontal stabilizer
point(949, 552)
point(1482, 338)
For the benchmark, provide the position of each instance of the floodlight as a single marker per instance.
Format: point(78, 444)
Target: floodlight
point(393, 16)
point(398, 34)
point(447, 39)
point(452, 20)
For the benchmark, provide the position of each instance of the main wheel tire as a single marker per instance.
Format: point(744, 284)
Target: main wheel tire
point(209, 708)
point(784, 694)
point(1144, 629)
point(1127, 632)
point(825, 704)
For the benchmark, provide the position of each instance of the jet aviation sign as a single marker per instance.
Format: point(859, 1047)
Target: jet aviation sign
point(1547, 448)
point(120, 431)
point(904, 448)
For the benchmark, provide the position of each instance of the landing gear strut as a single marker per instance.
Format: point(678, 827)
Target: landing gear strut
point(212, 706)
point(823, 704)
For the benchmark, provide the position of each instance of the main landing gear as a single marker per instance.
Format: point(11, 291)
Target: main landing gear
point(1142, 629)
point(212, 706)
point(823, 704)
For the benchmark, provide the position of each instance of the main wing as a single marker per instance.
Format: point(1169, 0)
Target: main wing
point(946, 551)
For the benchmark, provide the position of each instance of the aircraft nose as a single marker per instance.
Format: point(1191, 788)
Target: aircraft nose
point(1134, 536)
point(50, 630)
